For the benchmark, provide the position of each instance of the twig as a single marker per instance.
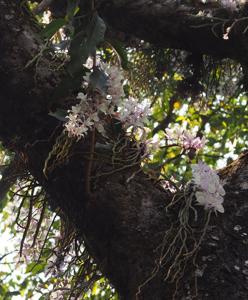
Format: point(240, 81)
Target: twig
point(39, 223)
point(27, 224)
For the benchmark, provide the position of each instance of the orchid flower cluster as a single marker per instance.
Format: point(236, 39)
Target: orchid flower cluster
point(185, 138)
point(84, 116)
point(90, 112)
point(209, 191)
point(133, 113)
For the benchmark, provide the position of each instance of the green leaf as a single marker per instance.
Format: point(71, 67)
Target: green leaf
point(85, 42)
point(3, 289)
point(24, 284)
point(35, 268)
point(59, 114)
point(72, 8)
point(52, 28)
point(3, 203)
point(15, 293)
point(99, 80)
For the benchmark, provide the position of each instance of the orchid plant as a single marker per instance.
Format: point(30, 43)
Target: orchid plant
point(111, 101)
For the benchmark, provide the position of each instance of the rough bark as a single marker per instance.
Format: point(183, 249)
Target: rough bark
point(124, 220)
point(196, 28)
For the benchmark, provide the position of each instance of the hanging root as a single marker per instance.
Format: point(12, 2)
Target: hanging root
point(58, 154)
point(180, 244)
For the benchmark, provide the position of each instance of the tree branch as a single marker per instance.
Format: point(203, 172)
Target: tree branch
point(197, 29)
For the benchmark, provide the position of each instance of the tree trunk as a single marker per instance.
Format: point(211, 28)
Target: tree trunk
point(122, 216)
